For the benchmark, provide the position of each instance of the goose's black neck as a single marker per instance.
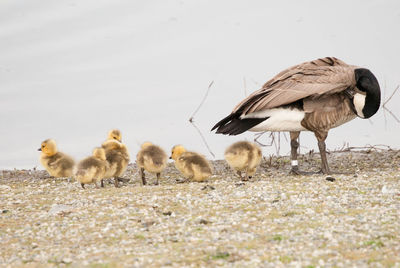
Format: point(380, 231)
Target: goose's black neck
point(367, 82)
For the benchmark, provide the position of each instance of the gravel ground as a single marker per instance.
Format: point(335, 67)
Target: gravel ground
point(274, 220)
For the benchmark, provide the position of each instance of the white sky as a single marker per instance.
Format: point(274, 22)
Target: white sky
point(72, 70)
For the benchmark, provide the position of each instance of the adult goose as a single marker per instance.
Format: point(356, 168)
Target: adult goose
point(313, 96)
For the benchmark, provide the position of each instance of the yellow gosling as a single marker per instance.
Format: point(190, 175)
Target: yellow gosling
point(244, 156)
point(93, 168)
point(56, 163)
point(193, 166)
point(114, 134)
point(117, 156)
point(151, 158)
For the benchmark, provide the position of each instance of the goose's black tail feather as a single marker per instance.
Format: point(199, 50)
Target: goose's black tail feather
point(233, 125)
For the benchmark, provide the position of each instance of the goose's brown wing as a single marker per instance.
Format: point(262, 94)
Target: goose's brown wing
point(310, 79)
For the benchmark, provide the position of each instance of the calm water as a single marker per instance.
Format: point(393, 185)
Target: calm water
point(73, 70)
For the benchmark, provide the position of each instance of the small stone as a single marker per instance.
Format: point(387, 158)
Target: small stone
point(329, 178)
point(203, 221)
point(168, 213)
point(174, 239)
point(66, 260)
point(5, 187)
point(148, 223)
point(208, 187)
point(387, 190)
point(59, 209)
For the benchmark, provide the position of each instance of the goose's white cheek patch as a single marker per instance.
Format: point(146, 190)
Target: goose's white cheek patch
point(359, 103)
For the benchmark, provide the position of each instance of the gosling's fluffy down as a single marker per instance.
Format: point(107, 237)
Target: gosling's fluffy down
point(117, 156)
point(93, 168)
point(114, 134)
point(151, 158)
point(244, 156)
point(56, 163)
point(193, 166)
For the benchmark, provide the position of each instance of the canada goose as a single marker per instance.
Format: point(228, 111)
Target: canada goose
point(93, 168)
point(151, 158)
point(117, 156)
point(314, 96)
point(192, 165)
point(243, 156)
point(56, 163)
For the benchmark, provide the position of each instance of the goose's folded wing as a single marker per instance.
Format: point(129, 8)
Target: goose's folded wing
point(309, 79)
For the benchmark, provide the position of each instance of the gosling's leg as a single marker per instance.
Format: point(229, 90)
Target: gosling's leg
point(143, 176)
point(102, 183)
point(116, 182)
point(83, 185)
point(246, 175)
point(158, 178)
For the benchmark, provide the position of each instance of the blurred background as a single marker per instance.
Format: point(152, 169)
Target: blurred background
point(73, 70)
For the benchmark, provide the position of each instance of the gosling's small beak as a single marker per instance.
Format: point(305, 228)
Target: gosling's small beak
point(40, 149)
point(170, 157)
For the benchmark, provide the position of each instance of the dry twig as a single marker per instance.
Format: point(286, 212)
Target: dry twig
point(388, 110)
point(191, 119)
point(276, 142)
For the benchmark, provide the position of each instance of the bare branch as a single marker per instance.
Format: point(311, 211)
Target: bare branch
point(391, 96)
point(387, 109)
point(347, 148)
point(392, 114)
point(191, 119)
point(202, 137)
point(275, 141)
point(257, 136)
point(202, 101)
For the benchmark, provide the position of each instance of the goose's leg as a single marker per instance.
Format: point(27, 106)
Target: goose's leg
point(294, 145)
point(321, 137)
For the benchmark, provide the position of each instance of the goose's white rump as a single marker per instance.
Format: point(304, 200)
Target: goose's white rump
point(280, 119)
